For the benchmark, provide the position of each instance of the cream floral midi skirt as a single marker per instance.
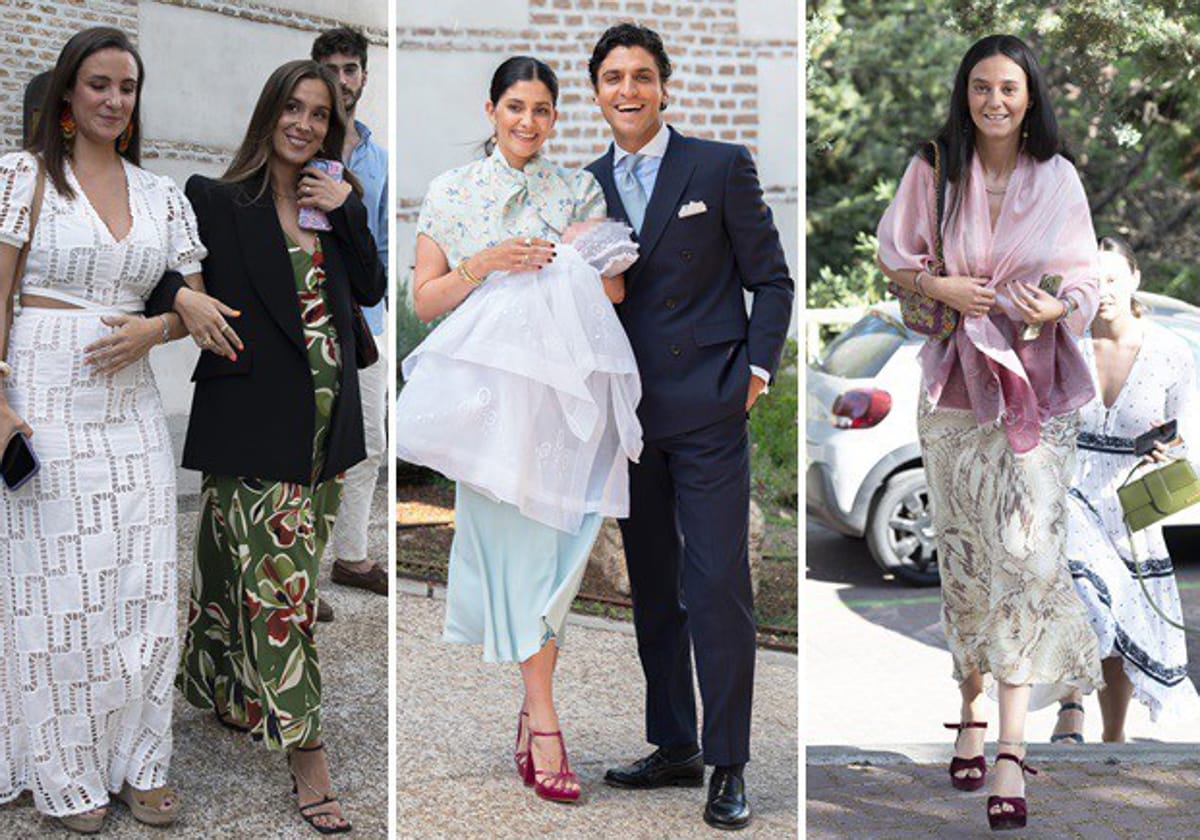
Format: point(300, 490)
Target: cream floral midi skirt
point(1009, 607)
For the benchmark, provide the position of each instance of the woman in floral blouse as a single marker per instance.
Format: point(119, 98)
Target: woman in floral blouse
point(525, 394)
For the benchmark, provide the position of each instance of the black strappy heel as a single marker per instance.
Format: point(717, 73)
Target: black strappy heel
point(1068, 737)
point(308, 812)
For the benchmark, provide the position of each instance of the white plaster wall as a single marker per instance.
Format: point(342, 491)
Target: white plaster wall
point(456, 14)
point(768, 20)
point(439, 113)
point(204, 72)
point(778, 121)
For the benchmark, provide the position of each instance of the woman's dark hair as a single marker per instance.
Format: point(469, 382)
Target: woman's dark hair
point(257, 149)
point(519, 68)
point(629, 35)
point(31, 106)
point(1039, 128)
point(343, 40)
point(1120, 245)
point(48, 140)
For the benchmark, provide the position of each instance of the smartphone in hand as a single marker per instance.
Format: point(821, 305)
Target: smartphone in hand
point(19, 463)
point(313, 218)
point(1143, 444)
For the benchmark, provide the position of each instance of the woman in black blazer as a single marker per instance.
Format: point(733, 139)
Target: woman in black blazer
point(274, 424)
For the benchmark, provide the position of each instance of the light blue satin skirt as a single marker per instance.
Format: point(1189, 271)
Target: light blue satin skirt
point(512, 580)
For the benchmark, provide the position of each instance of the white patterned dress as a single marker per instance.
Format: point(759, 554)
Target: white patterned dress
point(87, 548)
point(1159, 388)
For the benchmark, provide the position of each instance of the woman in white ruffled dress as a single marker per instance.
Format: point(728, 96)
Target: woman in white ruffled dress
point(1144, 376)
point(525, 395)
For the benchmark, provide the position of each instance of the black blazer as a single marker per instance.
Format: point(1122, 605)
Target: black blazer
point(684, 308)
point(256, 416)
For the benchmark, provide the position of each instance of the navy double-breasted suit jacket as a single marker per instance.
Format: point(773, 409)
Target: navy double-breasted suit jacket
point(685, 307)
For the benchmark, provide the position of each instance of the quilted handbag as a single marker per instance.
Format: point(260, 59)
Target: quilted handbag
point(923, 314)
point(1151, 498)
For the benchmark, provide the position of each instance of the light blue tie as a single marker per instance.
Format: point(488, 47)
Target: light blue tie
point(630, 189)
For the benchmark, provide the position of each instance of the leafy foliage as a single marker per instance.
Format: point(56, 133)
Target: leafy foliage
point(1125, 77)
point(773, 437)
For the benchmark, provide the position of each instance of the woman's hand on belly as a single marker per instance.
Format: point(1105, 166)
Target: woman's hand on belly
point(131, 340)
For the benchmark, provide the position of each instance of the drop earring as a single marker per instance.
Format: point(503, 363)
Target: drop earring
point(126, 138)
point(66, 122)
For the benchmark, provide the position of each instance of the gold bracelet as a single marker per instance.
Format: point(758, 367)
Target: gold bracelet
point(465, 274)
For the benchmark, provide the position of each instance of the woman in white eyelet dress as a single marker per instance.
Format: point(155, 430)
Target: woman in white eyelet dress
point(88, 597)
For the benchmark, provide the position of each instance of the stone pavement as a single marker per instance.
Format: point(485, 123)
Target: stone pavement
point(457, 719)
point(1093, 792)
point(231, 787)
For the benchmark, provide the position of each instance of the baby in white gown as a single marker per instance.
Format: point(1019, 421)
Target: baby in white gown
point(528, 390)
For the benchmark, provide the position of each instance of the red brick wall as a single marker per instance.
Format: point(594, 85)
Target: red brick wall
point(713, 87)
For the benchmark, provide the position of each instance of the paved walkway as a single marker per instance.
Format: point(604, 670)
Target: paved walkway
point(1095, 792)
point(457, 718)
point(232, 787)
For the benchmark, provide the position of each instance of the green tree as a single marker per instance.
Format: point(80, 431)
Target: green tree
point(1125, 78)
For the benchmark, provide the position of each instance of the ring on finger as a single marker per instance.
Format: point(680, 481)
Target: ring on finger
point(225, 327)
point(528, 241)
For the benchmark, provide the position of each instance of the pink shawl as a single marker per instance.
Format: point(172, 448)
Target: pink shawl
point(1044, 227)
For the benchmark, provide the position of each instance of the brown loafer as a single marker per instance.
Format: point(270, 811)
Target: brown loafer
point(374, 579)
point(324, 610)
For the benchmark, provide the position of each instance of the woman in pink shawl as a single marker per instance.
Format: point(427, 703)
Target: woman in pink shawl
point(998, 415)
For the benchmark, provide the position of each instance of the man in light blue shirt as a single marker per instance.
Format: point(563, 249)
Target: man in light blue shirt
point(344, 52)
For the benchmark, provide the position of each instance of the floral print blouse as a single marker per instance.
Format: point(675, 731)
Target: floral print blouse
point(485, 202)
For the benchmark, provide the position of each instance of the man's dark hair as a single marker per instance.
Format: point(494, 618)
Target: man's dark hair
point(342, 40)
point(629, 35)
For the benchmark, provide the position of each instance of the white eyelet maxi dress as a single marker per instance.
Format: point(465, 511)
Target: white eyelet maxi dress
point(88, 595)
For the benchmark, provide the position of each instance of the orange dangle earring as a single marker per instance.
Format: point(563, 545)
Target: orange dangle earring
point(126, 138)
point(66, 122)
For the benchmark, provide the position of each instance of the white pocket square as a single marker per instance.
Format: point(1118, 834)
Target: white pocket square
point(692, 208)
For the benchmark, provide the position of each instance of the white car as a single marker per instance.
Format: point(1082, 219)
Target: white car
point(864, 476)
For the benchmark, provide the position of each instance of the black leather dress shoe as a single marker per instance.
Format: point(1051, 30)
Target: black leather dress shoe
point(727, 805)
point(659, 769)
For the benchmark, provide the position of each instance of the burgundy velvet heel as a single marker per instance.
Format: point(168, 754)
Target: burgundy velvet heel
point(978, 762)
point(552, 784)
point(521, 755)
point(1018, 816)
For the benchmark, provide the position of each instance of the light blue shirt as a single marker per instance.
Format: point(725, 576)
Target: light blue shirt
point(369, 163)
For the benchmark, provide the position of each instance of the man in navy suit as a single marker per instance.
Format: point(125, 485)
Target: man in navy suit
point(706, 238)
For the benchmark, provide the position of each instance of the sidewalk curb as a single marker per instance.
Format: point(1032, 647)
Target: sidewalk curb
point(1145, 753)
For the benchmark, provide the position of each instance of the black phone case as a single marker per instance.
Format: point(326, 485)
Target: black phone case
point(1143, 444)
point(18, 463)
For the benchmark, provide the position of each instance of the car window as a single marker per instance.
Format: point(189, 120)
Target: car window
point(863, 349)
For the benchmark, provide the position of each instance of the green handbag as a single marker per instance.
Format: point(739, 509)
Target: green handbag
point(1151, 498)
point(1158, 494)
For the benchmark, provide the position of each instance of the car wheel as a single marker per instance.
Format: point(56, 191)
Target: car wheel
point(900, 531)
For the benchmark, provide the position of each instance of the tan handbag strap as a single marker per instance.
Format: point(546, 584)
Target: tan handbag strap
point(35, 210)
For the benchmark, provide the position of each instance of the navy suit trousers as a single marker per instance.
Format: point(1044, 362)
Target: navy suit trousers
point(686, 549)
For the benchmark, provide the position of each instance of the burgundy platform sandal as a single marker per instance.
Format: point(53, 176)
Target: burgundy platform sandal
point(978, 762)
point(554, 785)
point(521, 750)
point(1000, 819)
